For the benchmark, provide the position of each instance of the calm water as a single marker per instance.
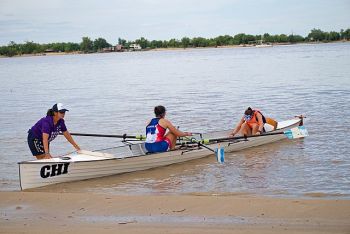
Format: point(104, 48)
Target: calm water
point(203, 90)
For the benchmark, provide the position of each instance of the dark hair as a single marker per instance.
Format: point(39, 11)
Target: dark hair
point(248, 111)
point(50, 112)
point(159, 111)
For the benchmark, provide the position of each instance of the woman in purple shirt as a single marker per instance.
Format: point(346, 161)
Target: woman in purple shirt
point(47, 129)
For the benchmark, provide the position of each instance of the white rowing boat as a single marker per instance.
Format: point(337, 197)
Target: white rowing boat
point(87, 164)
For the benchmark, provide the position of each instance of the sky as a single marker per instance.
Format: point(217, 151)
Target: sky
point(45, 21)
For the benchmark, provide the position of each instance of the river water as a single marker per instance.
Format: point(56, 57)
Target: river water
point(203, 90)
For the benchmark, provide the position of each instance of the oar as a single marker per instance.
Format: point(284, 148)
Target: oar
point(294, 133)
point(219, 152)
point(297, 132)
point(124, 136)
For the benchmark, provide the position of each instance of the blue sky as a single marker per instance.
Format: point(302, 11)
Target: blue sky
point(46, 21)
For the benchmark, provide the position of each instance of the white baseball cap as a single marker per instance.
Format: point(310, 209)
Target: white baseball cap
point(58, 107)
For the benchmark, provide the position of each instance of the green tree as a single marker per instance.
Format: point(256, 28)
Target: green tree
point(13, 49)
point(100, 43)
point(250, 38)
point(346, 34)
point(8, 51)
point(295, 38)
point(316, 35)
point(156, 44)
point(165, 44)
point(199, 42)
point(71, 47)
point(173, 43)
point(283, 38)
point(224, 40)
point(58, 47)
point(144, 43)
point(121, 41)
point(333, 36)
point(239, 38)
point(242, 38)
point(185, 42)
point(212, 42)
point(127, 43)
point(30, 48)
point(86, 45)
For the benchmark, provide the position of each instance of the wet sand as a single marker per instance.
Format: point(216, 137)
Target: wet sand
point(42, 212)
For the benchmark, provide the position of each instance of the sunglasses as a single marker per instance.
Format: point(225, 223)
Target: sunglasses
point(247, 117)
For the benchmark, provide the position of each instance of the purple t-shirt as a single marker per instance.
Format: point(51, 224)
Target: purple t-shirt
point(45, 125)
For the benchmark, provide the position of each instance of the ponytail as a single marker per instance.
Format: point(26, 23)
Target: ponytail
point(248, 111)
point(50, 112)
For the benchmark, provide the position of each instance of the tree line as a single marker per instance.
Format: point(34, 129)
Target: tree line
point(90, 46)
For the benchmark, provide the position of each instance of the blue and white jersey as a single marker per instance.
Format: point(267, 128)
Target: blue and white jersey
point(154, 132)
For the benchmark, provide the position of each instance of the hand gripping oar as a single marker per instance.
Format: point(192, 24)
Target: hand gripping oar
point(124, 136)
point(297, 132)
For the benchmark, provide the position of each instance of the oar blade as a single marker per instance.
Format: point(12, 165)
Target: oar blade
point(298, 132)
point(140, 137)
point(220, 154)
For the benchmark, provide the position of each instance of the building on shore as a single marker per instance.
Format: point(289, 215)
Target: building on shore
point(49, 51)
point(108, 49)
point(135, 47)
point(119, 48)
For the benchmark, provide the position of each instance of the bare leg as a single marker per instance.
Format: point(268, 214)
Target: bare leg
point(172, 139)
point(245, 130)
point(41, 156)
point(255, 129)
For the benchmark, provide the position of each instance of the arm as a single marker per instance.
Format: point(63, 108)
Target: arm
point(174, 130)
point(69, 138)
point(237, 128)
point(261, 124)
point(46, 145)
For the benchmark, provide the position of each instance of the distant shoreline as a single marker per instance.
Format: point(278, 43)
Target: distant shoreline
point(172, 49)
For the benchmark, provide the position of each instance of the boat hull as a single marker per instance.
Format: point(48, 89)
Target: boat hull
point(34, 175)
point(87, 165)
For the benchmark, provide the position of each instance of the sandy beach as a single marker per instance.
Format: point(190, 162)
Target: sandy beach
point(42, 212)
